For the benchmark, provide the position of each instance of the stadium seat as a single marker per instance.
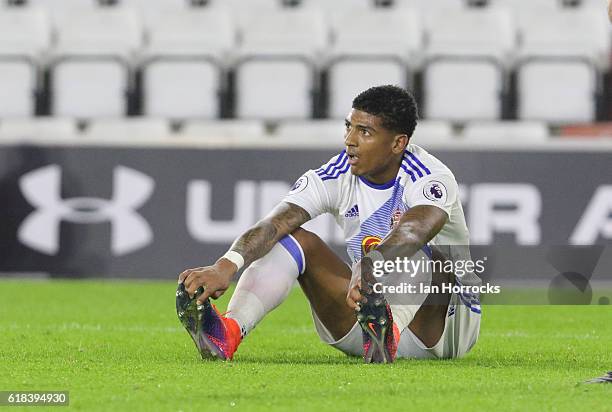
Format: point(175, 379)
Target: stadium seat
point(275, 89)
point(467, 56)
point(191, 32)
point(182, 88)
point(471, 32)
point(18, 83)
point(75, 94)
point(94, 44)
point(276, 72)
point(433, 132)
point(507, 131)
point(224, 129)
point(183, 64)
point(24, 31)
point(557, 91)
point(561, 62)
point(128, 129)
point(350, 76)
point(102, 31)
point(312, 131)
point(463, 90)
point(25, 37)
point(38, 128)
point(360, 59)
point(336, 9)
point(580, 32)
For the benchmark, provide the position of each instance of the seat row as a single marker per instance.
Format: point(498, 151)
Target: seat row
point(145, 130)
point(195, 63)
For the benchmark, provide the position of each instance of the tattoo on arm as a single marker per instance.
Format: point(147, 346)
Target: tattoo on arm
point(258, 240)
point(416, 227)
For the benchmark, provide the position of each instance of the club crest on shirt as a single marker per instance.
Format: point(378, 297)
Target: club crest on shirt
point(299, 185)
point(395, 218)
point(368, 242)
point(435, 191)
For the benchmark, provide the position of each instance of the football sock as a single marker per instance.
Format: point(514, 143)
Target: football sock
point(265, 284)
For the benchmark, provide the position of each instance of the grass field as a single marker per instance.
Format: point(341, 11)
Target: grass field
point(119, 346)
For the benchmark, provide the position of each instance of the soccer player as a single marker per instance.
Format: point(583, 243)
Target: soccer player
point(393, 199)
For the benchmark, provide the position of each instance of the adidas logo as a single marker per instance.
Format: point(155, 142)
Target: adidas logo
point(353, 212)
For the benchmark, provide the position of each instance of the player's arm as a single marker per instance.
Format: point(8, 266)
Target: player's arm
point(416, 227)
point(252, 245)
point(610, 10)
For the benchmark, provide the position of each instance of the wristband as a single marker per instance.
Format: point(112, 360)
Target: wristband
point(234, 257)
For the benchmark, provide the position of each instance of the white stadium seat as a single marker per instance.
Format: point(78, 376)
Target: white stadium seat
point(582, 32)
point(433, 132)
point(427, 7)
point(467, 54)
point(24, 31)
point(183, 61)
point(471, 32)
point(315, 131)
point(274, 89)
point(463, 90)
point(506, 131)
point(382, 56)
point(557, 91)
point(192, 32)
point(94, 44)
point(126, 129)
point(43, 128)
point(284, 31)
point(18, 82)
point(102, 31)
point(433, 129)
point(224, 129)
point(351, 76)
point(181, 88)
point(275, 74)
point(89, 88)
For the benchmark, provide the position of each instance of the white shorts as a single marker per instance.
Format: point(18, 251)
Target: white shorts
point(460, 334)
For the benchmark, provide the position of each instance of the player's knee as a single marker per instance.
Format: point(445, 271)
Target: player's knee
point(307, 240)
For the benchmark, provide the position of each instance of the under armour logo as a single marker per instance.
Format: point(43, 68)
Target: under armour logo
point(42, 189)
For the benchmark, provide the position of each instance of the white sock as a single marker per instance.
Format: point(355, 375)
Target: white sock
point(404, 308)
point(266, 283)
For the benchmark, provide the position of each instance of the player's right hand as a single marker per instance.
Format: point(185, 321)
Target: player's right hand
point(214, 279)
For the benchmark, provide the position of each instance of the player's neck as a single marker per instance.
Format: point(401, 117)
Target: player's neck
point(383, 177)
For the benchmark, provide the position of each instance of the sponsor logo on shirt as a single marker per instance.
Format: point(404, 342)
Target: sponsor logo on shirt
point(352, 212)
point(368, 242)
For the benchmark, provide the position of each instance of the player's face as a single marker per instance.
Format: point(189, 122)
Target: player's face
point(374, 152)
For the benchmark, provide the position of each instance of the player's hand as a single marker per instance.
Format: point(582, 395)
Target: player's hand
point(214, 279)
point(354, 298)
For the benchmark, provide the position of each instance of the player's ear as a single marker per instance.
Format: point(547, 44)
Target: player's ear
point(400, 141)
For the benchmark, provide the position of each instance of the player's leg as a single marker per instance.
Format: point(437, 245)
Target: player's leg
point(325, 283)
point(262, 287)
point(445, 326)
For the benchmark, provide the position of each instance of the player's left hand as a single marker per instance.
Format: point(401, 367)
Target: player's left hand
point(354, 298)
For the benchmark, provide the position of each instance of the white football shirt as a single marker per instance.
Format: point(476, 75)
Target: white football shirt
point(367, 212)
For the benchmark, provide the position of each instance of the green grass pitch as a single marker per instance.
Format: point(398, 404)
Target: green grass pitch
point(118, 346)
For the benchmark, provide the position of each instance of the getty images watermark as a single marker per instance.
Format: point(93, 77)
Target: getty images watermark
point(499, 275)
point(420, 271)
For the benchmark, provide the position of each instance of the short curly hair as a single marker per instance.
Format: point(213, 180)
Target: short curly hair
point(394, 105)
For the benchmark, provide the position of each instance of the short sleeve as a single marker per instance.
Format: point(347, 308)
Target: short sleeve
point(310, 194)
point(440, 190)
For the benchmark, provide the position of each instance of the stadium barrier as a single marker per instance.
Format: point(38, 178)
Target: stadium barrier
point(120, 210)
